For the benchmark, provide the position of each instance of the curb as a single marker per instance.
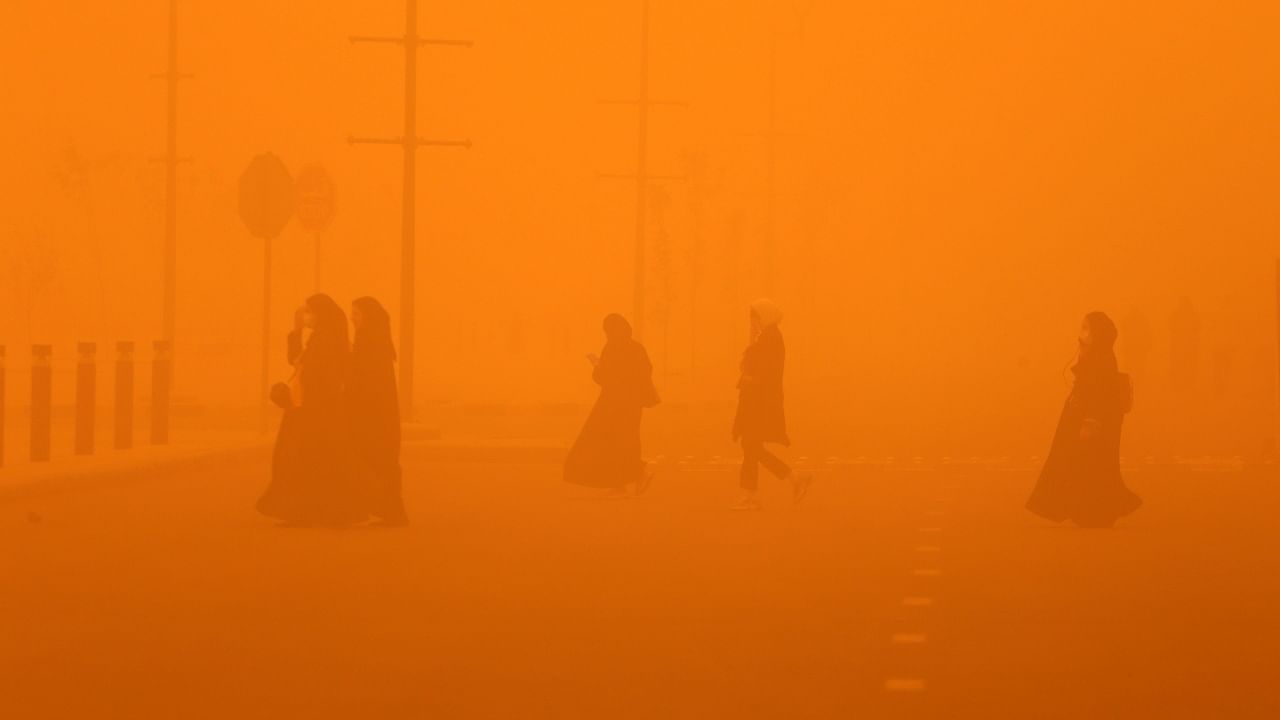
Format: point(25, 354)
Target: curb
point(72, 479)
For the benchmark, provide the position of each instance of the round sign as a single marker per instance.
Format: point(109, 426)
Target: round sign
point(314, 190)
point(266, 196)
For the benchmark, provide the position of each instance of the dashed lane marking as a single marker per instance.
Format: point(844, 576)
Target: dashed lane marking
point(904, 685)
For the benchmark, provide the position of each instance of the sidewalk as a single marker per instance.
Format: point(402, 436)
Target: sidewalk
point(112, 468)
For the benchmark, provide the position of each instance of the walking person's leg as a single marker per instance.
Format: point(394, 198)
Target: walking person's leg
point(800, 482)
point(749, 476)
point(774, 464)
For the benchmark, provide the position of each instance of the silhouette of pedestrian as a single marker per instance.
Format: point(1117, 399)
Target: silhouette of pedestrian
point(761, 417)
point(373, 411)
point(1081, 478)
point(311, 481)
point(607, 451)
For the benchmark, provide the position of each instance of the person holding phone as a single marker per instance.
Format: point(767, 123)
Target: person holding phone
point(1081, 479)
point(606, 453)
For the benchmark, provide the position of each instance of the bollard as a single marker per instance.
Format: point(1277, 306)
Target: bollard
point(41, 401)
point(124, 395)
point(161, 372)
point(1, 406)
point(86, 395)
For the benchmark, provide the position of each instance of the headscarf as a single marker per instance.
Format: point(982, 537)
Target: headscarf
point(768, 312)
point(1099, 356)
point(616, 328)
point(373, 337)
point(331, 322)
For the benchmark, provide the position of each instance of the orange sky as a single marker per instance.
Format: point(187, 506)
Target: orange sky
point(958, 185)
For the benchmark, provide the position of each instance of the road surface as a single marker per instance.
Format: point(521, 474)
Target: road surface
point(921, 593)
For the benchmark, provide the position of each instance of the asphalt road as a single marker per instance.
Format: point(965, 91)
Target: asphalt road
point(887, 594)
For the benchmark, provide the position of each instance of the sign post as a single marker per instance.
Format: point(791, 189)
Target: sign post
point(266, 204)
point(315, 207)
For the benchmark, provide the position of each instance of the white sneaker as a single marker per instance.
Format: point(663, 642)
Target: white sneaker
point(800, 486)
point(746, 503)
point(646, 479)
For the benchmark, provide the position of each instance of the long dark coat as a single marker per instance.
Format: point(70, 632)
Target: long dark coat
point(311, 478)
point(373, 417)
point(1081, 478)
point(607, 451)
point(760, 416)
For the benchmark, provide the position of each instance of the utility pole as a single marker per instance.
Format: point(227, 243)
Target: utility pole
point(771, 135)
point(771, 171)
point(409, 142)
point(171, 76)
point(642, 177)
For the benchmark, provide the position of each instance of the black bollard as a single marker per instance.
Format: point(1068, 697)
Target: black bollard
point(124, 395)
point(1, 406)
point(86, 395)
point(161, 376)
point(41, 401)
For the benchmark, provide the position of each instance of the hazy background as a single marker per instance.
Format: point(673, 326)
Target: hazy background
point(957, 185)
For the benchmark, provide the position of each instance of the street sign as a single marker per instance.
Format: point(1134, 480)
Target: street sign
point(315, 202)
point(266, 196)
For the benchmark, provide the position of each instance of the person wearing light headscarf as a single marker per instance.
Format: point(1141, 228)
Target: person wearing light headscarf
point(761, 417)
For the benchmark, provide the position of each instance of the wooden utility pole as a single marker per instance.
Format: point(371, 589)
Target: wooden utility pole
point(409, 142)
point(169, 302)
point(772, 135)
point(642, 177)
point(171, 76)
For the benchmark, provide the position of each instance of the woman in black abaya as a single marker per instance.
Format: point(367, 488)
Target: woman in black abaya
point(607, 451)
point(373, 411)
point(311, 480)
point(1081, 478)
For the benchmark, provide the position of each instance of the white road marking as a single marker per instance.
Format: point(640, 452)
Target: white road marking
point(926, 572)
point(904, 685)
point(908, 639)
point(928, 548)
point(916, 601)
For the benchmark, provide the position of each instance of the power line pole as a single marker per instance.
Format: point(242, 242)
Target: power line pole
point(771, 171)
point(171, 76)
point(410, 142)
point(772, 134)
point(642, 177)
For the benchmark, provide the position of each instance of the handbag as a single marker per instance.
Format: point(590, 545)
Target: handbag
point(1124, 386)
point(286, 395)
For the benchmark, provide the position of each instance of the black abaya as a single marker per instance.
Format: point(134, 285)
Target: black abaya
point(1081, 478)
